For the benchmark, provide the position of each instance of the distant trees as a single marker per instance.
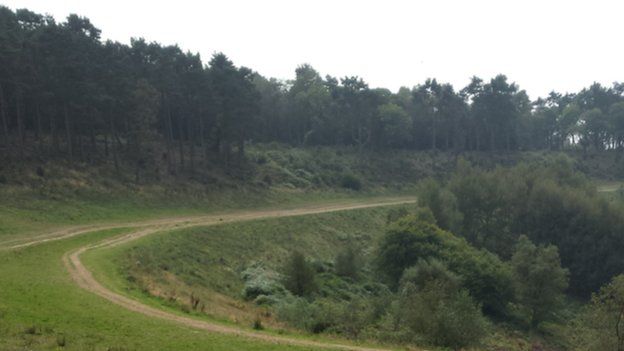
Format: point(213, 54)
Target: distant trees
point(66, 94)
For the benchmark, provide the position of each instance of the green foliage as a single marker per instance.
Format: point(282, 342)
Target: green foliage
point(299, 275)
point(410, 240)
point(351, 181)
point(442, 203)
point(432, 305)
point(551, 204)
point(348, 263)
point(428, 272)
point(261, 284)
point(539, 279)
point(603, 320)
point(395, 125)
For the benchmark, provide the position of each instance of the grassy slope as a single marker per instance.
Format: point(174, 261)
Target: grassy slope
point(207, 261)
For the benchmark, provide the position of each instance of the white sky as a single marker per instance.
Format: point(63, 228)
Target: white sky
point(541, 45)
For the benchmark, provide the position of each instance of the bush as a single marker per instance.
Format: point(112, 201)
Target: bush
point(411, 239)
point(260, 281)
point(440, 315)
point(302, 314)
point(351, 181)
point(348, 263)
point(257, 324)
point(299, 275)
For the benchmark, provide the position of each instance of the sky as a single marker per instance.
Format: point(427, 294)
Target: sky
point(541, 45)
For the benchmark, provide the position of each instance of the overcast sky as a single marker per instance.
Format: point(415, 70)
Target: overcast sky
point(541, 45)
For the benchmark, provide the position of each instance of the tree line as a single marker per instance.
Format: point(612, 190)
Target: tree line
point(66, 93)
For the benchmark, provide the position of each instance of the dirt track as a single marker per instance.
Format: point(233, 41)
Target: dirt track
point(83, 277)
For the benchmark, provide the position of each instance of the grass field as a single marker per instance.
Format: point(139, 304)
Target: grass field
point(42, 309)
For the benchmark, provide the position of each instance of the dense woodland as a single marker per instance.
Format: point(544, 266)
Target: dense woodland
point(65, 93)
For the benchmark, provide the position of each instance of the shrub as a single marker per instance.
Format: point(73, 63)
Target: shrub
point(351, 181)
point(299, 275)
point(410, 239)
point(257, 324)
point(301, 314)
point(260, 281)
point(348, 263)
point(61, 341)
point(441, 316)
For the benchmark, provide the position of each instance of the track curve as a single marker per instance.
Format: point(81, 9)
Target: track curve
point(84, 278)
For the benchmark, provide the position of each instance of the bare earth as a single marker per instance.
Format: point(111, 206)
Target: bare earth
point(85, 279)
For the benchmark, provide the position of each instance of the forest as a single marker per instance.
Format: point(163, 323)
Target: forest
point(505, 239)
point(65, 93)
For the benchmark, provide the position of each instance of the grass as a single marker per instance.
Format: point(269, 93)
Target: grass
point(192, 256)
point(208, 260)
point(41, 309)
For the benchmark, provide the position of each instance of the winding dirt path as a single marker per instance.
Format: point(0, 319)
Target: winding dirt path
point(84, 278)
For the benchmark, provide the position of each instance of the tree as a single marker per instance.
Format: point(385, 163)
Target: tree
point(616, 121)
point(411, 239)
point(145, 100)
point(442, 203)
point(432, 304)
point(539, 279)
point(395, 125)
point(299, 275)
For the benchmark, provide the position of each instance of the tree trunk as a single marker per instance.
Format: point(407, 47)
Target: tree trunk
point(202, 139)
point(68, 133)
point(169, 126)
point(20, 121)
point(114, 142)
point(433, 135)
point(3, 112)
point(105, 145)
point(55, 140)
point(39, 127)
point(189, 133)
point(92, 142)
point(241, 149)
point(181, 143)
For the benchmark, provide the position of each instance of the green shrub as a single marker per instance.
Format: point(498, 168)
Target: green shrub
point(439, 315)
point(299, 275)
point(302, 314)
point(351, 181)
point(411, 239)
point(257, 324)
point(260, 281)
point(348, 262)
